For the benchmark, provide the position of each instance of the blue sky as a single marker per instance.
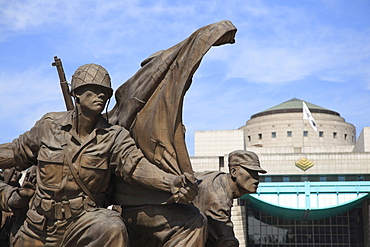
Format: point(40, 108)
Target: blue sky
point(318, 51)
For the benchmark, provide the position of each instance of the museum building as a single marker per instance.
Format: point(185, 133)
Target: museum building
point(316, 190)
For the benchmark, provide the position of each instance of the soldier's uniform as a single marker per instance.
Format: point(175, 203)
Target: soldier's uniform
point(5, 193)
point(215, 200)
point(63, 212)
point(6, 217)
point(59, 202)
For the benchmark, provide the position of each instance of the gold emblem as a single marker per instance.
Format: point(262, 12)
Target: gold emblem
point(304, 164)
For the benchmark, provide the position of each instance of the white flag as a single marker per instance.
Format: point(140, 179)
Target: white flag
point(307, 115)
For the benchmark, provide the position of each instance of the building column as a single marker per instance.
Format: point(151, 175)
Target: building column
point(238, 217)
point(366, 221)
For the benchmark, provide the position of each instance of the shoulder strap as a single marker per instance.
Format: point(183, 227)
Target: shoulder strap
point(76, 177)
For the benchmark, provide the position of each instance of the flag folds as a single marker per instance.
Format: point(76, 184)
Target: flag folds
point(150, 103)
point(307, 115)
point(150, 106)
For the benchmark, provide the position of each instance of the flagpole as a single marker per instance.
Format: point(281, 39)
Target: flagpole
point(302, 127)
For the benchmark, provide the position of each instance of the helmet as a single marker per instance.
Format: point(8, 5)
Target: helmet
point(91, 74)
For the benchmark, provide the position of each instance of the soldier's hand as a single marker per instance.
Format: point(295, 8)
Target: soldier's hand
point(16, 201)
point(27, 190)
point(185, 188)
point(30, 176)
point(21, 197)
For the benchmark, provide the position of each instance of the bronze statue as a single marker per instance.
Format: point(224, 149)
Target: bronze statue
point(149, 104)
point(76, 153)
point(217, 191)
point(140, 153)
point(14, 199)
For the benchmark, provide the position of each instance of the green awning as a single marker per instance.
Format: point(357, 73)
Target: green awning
point(302, 214)
point(308, 200)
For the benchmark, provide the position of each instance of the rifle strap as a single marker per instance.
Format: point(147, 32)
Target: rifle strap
point(75, 176)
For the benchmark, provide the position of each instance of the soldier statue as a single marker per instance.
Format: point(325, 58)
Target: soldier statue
point(76, 154)
point(217, 191)
point(134, 156)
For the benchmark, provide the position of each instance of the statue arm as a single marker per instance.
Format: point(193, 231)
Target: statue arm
point(14, 198)
point(6, 156)
point(133, 167)
point(6, 192)
point(152, 177)
point(22, 152)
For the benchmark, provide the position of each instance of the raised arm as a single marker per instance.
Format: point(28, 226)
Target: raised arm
point(6, 156)
point(134, 168)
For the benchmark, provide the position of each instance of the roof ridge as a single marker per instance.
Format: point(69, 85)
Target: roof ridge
point(294, 105)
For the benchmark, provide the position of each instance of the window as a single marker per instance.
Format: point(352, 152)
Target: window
point(351, 178)
point(322, 178)
point(260, 136)
point(289, 133)
point(241, 202)
point(321, 133)
point(341, 178)
point(345, 136)
point(267, 230)
point(273, 134)
point(295, 178)
point(286, 179)
point(334, 134)
point(221, 161)
point(268, 179)
point(305, 133)
point(249, 138)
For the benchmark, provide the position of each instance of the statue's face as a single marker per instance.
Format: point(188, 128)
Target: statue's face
point(246, 180)
point(92, 98)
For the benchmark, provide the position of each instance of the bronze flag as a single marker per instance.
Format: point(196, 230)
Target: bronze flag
point(150, 103)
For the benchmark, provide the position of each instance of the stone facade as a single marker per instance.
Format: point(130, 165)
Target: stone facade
point(216, 142)
point(286, 130)
point(277, 136)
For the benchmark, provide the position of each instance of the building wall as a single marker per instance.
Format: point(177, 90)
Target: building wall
point(238, 217)
point(209, 163)
point(217, 142)
point(258, 132)
point(324, 163)
point(363, 142)
point(284, 164)
point(278, 154)
point(301, 150)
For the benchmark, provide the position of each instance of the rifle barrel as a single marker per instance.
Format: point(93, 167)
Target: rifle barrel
point(63, 83)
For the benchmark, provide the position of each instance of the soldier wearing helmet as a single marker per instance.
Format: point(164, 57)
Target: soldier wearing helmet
point(217, 191)
point(76, 153)
point(91, 74)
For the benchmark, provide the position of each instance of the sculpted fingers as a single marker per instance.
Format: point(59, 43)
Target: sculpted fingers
point(185, 188)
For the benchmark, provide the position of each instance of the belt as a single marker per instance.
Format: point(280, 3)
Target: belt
point(71, 208)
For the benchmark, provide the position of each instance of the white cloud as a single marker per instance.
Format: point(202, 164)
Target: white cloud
point(291, 54)
point(277, 43)
point(20, 15)
point(25, 97)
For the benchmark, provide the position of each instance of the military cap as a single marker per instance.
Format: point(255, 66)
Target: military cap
point(246, 159)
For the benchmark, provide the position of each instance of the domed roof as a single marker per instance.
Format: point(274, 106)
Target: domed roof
point(294, 105)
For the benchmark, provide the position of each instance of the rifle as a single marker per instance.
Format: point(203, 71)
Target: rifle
point(63, 83)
